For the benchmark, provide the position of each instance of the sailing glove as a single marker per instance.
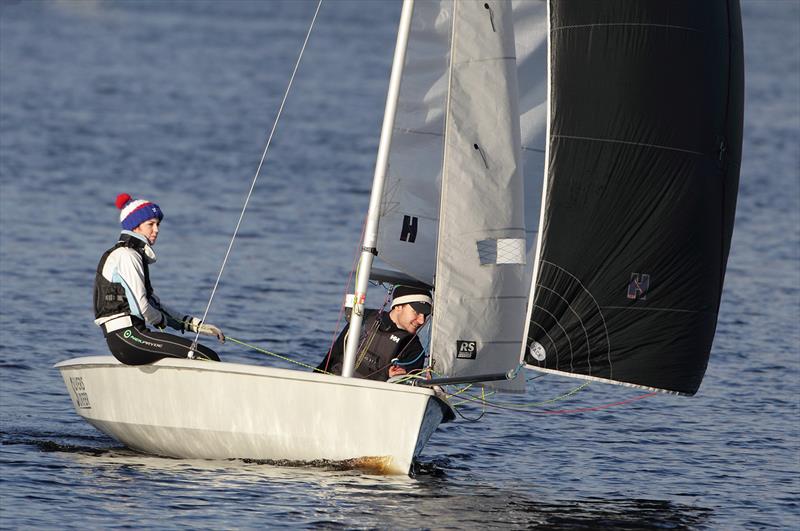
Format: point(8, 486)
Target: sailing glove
point(193, 324)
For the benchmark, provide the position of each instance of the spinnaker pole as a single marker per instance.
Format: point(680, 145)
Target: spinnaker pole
point(368, 249)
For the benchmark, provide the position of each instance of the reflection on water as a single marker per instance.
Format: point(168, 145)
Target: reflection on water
point(339, 493)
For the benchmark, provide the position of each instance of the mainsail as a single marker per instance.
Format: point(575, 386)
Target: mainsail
point(644, 148)
point(409, 218)
point(409, 221)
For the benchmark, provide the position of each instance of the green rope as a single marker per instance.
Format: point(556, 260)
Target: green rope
point(267, 352)
point(516, 407)
point(460, 393)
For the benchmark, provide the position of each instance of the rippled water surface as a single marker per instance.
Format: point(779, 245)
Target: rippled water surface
point(173, 100)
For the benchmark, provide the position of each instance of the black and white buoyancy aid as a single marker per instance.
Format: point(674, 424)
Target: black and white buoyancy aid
point(110, 299)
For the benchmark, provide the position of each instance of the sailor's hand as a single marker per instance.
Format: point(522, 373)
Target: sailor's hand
point(211, 330)
point(394, 370)
point(194, 324)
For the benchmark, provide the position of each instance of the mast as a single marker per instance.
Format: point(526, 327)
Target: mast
point(368, 249)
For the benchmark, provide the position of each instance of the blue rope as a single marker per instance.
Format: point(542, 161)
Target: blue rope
point(396, 361)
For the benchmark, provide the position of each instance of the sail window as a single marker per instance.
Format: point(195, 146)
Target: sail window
point(501, 251)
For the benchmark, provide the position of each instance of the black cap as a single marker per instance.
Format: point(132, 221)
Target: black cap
point(419, 298)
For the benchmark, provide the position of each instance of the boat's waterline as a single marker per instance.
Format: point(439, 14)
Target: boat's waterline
point(199, 409)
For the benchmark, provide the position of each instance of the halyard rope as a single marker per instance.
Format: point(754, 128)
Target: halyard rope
point(258, 171)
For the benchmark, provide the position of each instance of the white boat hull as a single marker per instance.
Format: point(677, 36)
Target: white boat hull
point(200, 409)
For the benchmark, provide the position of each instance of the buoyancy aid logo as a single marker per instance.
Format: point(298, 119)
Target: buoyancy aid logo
point(466, 350)
point(394, 338)
point(128, 334)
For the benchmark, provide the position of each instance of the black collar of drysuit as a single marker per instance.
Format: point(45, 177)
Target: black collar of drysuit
point(387, 325)
point(143, 248)
point(129, 240)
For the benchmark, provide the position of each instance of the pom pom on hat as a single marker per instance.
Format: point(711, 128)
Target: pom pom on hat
point(122, 200)
point(134, 212)
point(419, 298)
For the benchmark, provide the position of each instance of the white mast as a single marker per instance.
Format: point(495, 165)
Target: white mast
point(368, 249)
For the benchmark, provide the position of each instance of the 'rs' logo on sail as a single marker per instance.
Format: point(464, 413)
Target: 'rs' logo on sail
point(638, 285)
point(409, 231)
point(466, 349)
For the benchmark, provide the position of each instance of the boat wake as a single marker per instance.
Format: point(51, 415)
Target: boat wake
point(94, 445)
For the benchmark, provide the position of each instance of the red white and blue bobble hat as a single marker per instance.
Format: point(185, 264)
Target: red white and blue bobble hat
point(134, 212)
point(419, 298)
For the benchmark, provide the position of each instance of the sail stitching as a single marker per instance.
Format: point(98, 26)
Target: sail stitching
point(569, 305)
point(611, 140)
point(555, 347)
point(660, 310)
point(417, 132)
point(599, 311)
point(569, 341)
point(537, 150)
point(486, 59)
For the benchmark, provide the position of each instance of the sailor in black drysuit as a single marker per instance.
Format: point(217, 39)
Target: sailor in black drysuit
point(389, 345)
point(124, 301)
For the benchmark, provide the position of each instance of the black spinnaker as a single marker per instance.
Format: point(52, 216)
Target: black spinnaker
point(644, 150)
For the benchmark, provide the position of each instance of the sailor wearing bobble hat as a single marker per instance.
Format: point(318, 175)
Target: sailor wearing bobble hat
point(124, 300)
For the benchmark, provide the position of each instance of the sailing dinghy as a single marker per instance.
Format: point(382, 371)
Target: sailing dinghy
point(591, 146)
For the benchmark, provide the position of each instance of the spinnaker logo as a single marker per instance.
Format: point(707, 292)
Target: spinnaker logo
point(537, 351)
point(638, 286)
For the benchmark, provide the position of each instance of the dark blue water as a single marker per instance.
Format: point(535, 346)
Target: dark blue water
point(172, 101)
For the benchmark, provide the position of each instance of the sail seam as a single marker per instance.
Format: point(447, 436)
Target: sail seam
point(614, 24)
point(614, 141)
point(580, 320)
point(496, 297)
point(569, 341)
point(659, 310)
point(555, 347)
point(416, 132)
point(472, 61)
point(599, 311)
point(537, 150)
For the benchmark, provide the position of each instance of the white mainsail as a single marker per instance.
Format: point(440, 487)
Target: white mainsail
point(410, 207)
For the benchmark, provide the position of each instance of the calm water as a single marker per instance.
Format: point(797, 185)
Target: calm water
point(173, 101)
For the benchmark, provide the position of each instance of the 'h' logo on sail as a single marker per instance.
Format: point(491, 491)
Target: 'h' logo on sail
point(638, 285)
point(409, 232)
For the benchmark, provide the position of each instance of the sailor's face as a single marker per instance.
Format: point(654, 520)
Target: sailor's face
point(408, 318)
point(149, 229)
